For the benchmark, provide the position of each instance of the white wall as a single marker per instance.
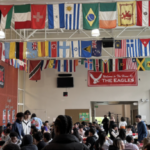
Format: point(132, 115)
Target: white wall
point(44, 95)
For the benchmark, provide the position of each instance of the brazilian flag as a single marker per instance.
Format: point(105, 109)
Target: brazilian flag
point(147, 63)
point(140, 64)
point(90, 16)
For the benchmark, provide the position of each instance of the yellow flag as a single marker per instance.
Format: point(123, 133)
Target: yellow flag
point(12, 50)
point(51, 63)
point(46, 48)
point(126, 13)
point(39, 49)
point(24, 49)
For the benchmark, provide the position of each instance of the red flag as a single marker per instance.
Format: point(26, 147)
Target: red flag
point(120, 48)
point(38, 14)
point(53, 49)
point(35, 70)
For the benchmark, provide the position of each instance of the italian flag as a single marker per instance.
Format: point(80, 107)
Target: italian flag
point(143, 13)
point(22, 14)
point(6, 16)
point(107, 15)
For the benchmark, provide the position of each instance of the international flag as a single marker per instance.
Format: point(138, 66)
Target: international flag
point(90, 16)
point(131, 64)
point(75, 49)
point(121, 64)
point(38, 16)
point(32, 50)
point(107, 16)
point(144, 47)
point(56, 16)
point(12, 52)
point(132, 48)
point(104, 65)
point(126, 13)
point(80, 62)
point(7, 49)
point(55, 64)
point(64, 49)
point(140, 64)
point(44, 64)
point(24, 50)
point(22, 15)
point(73, 16)
point(143, 13)
point(35, 70)
point(5, 16)
point(89, 64)
point(120, 48)
point(86, 49)
point(51, 63)
point(2, 51)
point(96, 48)
point(21, 50)
point(53, 48)
point(147, 63)
point(43, 49)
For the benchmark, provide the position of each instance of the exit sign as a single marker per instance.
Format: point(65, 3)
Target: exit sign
point(96, 106)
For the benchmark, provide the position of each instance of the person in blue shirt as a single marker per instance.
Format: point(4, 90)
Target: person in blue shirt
point(142, 131)
point(37, 122)
point(17, 126)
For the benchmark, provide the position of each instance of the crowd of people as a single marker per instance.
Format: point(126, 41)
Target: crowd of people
point(28, 132)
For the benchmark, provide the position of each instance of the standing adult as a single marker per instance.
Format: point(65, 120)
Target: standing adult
point(105, 123)
point(26, 123)
point(17, 126)
point(122, 123)
point(37, 122)
point(111, 123)
point(142, 131)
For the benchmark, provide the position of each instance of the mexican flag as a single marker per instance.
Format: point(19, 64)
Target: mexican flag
point(107, 15)
point(22, 14)
point(6, 16)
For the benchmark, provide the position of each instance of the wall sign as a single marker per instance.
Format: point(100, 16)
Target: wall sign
point(4, 116)
point(2, 76)
point(8, 116)
point(120, 78)
point(83, 116)
point(13, 116)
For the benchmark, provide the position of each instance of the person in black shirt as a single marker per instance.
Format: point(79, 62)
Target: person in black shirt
point(105, 123)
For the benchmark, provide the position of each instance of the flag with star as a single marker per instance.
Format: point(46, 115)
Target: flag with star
point(147, 63)
point(90, 16)
point(96, 48)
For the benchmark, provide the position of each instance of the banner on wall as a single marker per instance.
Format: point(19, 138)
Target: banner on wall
point(2, 76)
point(120, 78)
point(4, 116)
point(83, 116)
point(13, 116)
point(8, 116)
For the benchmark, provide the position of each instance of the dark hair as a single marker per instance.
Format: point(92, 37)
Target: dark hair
point(102, 138)
point(94, 123)
point(27, 139)
point(11, 147)
point(69, 120)
point(122, 134)
point(129, 138)
point(86, 133)
point(47, 136)
point(92, 130)
point(7, 131)
point(13, 134)
point(76, 133)
point(46, 121)
point(129, 126)
point(83, 123)
point(27, 112)
point(122, 119)
point(33, 115)
point(147, 146)
point(61, 123)
point(80, 126)
point(78, 123)
point(114, 126)
point(138, 116)
point(148, 126)
point(9, 124)
point(33, 127)
point(38, 136)
point(35, 130)
point(135, 124)
point(20, 115)
point(90, 124)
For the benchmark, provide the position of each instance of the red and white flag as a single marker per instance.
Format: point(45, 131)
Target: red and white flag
point(143, 13)
point(53, 49)
point(131, 64)
point(38, 16)
point(120, 48)
point(2, 52)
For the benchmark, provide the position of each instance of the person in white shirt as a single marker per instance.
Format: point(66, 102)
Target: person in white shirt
point(128, 131)
point(81, 131)
point(122, 124)
point(26, 123)
point(104, 142)
point(114, 132)
point(148, 130)
point(47, 138)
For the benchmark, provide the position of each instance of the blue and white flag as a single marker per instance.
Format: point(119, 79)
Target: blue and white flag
point(31, 50)
point(75, 49)
point(64, 49)
point(144, 47)
point(89, 64)
point(60, 65)
point(7, 49)
point(132, 46)
point(86, 47)
point(56, 16)
point(73, 16)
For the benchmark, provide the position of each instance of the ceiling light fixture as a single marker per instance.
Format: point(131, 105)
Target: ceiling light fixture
point(95, 32)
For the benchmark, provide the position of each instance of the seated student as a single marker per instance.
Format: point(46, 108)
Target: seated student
point(27, 143)
point(145, 142)
point(148, 130)
point(46, 127)
point(77, 135)
point(47, 138)
point(122, 135)
point(81, 131)
point(13, 139)
point(6, 136)
point(134, 128)
point(85, 127)
point(17, 126)
point(129, 132)
point(63, 140)
point(114, 132)
point(91, 140)
point(37, 122)
point(76, 126)
point(38, 140)
point(33, 130)
point(11, 147)
point(9, 126)
point(117, 145)
point(103, 142)
point(130, 144)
